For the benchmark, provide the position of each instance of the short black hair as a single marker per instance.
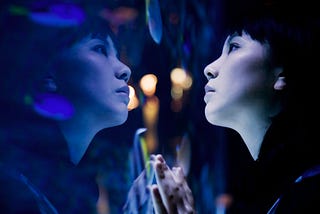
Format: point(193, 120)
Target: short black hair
point(292, 32)
point(27, 46)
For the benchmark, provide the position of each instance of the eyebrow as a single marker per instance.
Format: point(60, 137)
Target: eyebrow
point(235, 34)
point(103, 39)
point(101, 36)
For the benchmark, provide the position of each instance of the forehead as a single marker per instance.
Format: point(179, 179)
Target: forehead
point(243, 35)
point(246, 38)
point(94, 39)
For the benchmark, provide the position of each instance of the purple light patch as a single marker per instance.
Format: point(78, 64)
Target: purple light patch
point(53, 106)
point(59, 15)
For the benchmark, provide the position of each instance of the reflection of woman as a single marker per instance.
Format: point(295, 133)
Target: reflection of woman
point(62, 85)
point(263, 87)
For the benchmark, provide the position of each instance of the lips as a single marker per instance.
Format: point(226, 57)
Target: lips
point(209, 91)
point(123, 93)
point(208, 88)
point(124, 90)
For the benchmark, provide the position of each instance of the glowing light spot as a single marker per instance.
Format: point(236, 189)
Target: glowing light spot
point(187, 82)
point(53, 106)
point(119, 16)
point(134, 101)
point(19, 11)
point(148, 84)
point(178, 76)
point(28, 100)
point(181, 78)
point(176, 92)
point(153, 15)
point(59, 15)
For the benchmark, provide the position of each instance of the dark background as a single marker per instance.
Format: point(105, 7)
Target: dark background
point(217, 153)
point(193, 35)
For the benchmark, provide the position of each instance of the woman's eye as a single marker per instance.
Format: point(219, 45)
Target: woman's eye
point(232, 47)
point(101, 49)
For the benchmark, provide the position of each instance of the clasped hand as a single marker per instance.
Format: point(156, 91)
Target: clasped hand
point(171, 193)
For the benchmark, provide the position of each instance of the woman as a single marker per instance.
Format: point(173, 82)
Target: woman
point(62, 84)
point(258, 87)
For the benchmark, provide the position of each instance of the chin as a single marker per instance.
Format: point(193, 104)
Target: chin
point(122, 118)
point(210, 118)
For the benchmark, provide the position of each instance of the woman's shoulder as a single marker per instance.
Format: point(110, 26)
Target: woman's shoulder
point(19, 195)
point(303, 195)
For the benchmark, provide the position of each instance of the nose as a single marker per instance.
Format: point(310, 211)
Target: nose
point(210, 71)
point(124, 72)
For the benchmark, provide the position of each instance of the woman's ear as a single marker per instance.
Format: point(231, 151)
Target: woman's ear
point(50, 84)
point(280, 82)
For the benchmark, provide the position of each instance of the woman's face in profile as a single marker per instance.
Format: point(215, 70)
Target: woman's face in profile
point(239, 81)
point(93, 79)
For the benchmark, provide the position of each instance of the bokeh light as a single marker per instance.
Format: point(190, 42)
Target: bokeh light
point(148, 84)
point(134, 101)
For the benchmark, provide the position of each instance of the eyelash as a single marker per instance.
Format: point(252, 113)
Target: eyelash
point(233, 46)
point(101, 49)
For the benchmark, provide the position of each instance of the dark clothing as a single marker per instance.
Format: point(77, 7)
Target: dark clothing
point(287, 151)
point(302, 197)
point(35, 166)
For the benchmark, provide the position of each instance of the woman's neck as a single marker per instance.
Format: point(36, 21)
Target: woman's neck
point(78, 133)
point(252, 132)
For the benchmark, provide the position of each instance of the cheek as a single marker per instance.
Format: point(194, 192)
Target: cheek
point(91, 71)
point(245, 71)
point(74, 79)
point(99, 69)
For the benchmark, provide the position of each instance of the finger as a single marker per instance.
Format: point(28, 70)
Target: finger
point(188, 208)
point(188, 193)
point(181, 209)
point(164, 181)
point(172, 187)
point(160, 158)
point(185, 209)
point(181, 179)
point(153, 157)
point(167, 186)
point(187, 203)
point(158, 205)
point(178, 174)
